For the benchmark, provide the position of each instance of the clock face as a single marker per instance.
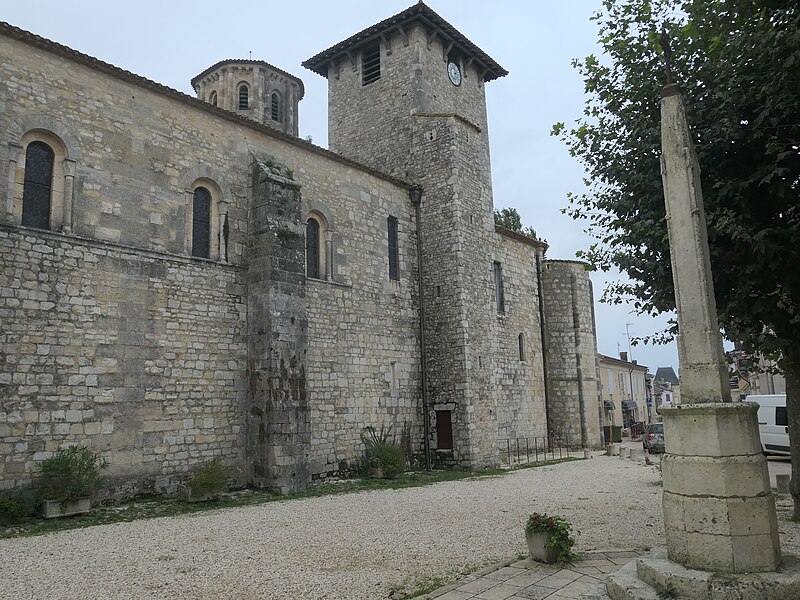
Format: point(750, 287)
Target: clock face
point(454, 73)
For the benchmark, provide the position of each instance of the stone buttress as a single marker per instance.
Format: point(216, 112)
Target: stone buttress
point(278, 424)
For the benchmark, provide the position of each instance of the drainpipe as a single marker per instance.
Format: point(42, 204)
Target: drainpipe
point(544, 344)
point(415, 195)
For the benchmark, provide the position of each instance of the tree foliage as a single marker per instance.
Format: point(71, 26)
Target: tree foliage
point(738, 64)
point(510, 219)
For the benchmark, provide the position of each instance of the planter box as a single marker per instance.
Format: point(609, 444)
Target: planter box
point(189, 496)
point(537, 547)
point(51, 509)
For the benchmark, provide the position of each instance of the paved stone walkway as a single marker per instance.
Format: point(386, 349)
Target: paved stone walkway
point(580, 579)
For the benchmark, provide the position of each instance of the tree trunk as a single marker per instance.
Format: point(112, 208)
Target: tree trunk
point(791, 371)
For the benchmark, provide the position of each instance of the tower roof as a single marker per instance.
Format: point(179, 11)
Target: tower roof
point(418, 13)
point(667, 374)
point(251, 63)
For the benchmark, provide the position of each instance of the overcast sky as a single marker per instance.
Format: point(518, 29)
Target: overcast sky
point(171, 41)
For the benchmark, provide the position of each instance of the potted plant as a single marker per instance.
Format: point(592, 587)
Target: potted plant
point(206, 481)
point(383, 458)
point(549, 538)
point(71, 477)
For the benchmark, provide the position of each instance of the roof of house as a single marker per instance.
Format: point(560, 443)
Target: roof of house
point(619, 362)
point(419, 12)
point(667, 374)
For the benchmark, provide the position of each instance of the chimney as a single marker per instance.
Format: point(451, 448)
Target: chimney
point(623, 356)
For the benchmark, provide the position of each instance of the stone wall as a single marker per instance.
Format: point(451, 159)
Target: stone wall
point(364, 353)
point(518, 373)
point(571, 347)
point(137, 354)
point(136, 149)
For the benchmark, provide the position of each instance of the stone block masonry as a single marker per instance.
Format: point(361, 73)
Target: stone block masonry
point(279, 428)
point(571, 348)
point(133, 353)
point(209, 285)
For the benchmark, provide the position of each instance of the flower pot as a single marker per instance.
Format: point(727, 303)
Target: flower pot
point(50, 509)
point(537, 547)
point(190, 496)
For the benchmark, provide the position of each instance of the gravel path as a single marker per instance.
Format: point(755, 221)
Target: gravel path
point(354, 546)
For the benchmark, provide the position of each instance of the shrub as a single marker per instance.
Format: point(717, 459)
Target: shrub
point(391, 459)
point(14, 507)
point(72, 473)
point(208, 478)
point(382, 453)
point(559, 530)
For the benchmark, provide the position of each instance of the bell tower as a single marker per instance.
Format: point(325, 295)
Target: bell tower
point(254, 89)
point(406, 97)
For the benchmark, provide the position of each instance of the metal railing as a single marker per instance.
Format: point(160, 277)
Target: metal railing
point(535, 450)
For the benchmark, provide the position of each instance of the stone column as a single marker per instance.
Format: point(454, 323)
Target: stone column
point(223, 239)
point(329, 255)
point(719, 512)
point(69, 180)
point(187, 237)
point(13, 155)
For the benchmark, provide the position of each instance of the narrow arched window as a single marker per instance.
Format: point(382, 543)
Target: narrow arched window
point(244, 97)
point(394, 254)
point(275, 106)
point(38, 186)
point(522, 346)
point(213, 98)
point(312, 248)
point(201, 223)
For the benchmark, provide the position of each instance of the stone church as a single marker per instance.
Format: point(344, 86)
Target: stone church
point(184, 277)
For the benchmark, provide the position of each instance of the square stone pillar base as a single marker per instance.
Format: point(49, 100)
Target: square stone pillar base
point(719, 512)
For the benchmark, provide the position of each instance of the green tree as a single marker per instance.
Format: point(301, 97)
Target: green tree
point(510, 219)
point(738, 62)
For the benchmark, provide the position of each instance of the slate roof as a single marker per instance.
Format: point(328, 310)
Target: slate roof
point(420, 12)
point(667, 374)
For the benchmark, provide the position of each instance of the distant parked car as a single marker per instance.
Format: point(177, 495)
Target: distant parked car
point(654, 438)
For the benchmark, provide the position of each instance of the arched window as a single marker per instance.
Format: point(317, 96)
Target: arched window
point(201, 223)
point(244, 97)
point(522, 346)
point(312, 248)
point(36, 191)
point(275, 106)
point(213, 98)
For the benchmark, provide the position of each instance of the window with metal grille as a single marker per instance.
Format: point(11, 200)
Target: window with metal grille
point(394, 255)
point(213, 98)
point(444, 429)
point(275, 106)
point(244, 97)
point(312, 248)
point(371, 64)
point(499, 296)
point(201, 223)
point(38, 186)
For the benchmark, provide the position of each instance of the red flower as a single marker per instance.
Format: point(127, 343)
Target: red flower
point(550, 523)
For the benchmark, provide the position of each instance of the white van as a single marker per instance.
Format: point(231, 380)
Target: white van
point(773, 423)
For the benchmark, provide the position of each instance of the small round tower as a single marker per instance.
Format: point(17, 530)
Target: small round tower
point(254, 89)
point(571, 351)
